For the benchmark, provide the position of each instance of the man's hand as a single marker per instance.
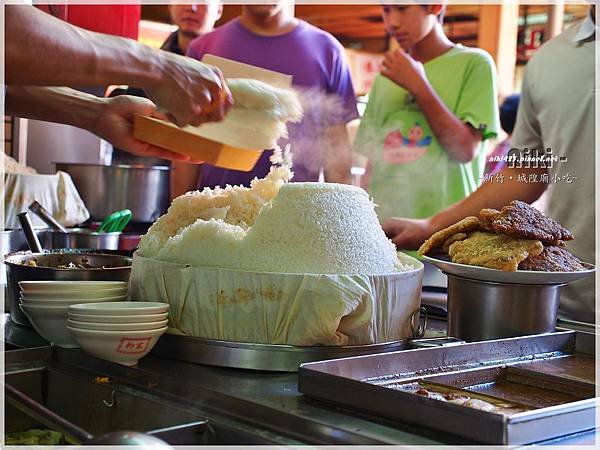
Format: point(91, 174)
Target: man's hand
point(404, 70)
point(114, 123)
point(189, 91)
point(407, 234)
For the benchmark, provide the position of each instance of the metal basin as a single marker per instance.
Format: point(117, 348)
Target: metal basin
point(80, 238)
point(103, 267)
point(105, 189)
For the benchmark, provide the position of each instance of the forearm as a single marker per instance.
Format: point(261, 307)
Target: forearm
point(184, 178)
point(54, 104)
point(492, 194)
point(78, 57)
point(456, 137)
point(338, 155)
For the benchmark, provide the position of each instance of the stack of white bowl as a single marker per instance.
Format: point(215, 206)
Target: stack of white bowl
point(46, 304)
point(119, 332)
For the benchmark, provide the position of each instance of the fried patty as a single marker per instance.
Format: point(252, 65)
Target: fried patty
point(486, 217)
point(552, 259)
point(436, 240)
point(493, 251)
point(452, 239)
point(523, 221)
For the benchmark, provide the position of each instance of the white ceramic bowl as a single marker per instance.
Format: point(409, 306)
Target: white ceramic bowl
point(99, 318)
point(51, 323)
point(117, 326)
point(75, 301)
point(64, 295)
point(123, 347)
point(120, 308)
point(63, 286)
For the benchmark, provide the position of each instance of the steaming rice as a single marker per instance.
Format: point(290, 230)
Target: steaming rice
point(322, 228)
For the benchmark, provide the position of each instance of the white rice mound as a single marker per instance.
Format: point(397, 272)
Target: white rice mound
point(317, 228)
point(258, 117)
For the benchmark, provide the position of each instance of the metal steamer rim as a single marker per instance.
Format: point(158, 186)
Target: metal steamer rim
point(263, 357)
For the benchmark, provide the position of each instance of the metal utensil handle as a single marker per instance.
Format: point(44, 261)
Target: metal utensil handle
point(418, 330)
point(32, 239)
point(43, 214)
point(42, 414)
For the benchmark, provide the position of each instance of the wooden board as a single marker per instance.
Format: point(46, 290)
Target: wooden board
point(166, 135)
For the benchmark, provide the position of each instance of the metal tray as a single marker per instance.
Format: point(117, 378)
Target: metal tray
point(267, 357)
point(499, 276)
point(545, 381)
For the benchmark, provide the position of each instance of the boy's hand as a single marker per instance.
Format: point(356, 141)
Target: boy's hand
point(407, 234)
point(404, 70)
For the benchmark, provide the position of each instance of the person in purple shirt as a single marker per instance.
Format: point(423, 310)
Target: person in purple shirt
point(269, 36)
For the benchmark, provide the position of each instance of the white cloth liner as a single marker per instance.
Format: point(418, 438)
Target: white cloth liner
point(276, 308)
point(56, 193)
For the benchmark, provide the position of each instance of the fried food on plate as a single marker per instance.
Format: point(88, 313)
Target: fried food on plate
point(516, 237)
point(452, 239)
point(552, 259)
point(494, 251)
point(486, 217)
point(436, 240)
point(523, 221)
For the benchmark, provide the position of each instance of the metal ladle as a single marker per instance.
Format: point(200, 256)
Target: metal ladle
point(43, 214)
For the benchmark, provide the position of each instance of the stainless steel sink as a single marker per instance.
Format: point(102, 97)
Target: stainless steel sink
point(99, 404)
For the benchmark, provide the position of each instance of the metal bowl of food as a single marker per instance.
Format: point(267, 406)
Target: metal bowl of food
point(61, 264)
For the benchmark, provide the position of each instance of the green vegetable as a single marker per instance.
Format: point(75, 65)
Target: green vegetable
point(34, 437)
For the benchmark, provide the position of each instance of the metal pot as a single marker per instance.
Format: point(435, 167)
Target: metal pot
point(482, 310)
point(105, 189)
point(105, 267)
point(80, 238)
point(13, 241)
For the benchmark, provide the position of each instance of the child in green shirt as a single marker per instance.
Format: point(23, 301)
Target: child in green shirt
point(429, 114)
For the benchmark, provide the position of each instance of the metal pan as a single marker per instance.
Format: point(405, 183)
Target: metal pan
point(267, 357)
point(546, 373)
point(273, 357)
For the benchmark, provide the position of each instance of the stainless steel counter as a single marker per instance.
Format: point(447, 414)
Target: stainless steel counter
point(267, 404)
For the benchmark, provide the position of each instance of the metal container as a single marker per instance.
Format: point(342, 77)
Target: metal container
point(80, 238)
point(105, 189)
point(482, 310)
point(541, 387)
point(13, 241)
point(104, 267)
point(266, 357)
